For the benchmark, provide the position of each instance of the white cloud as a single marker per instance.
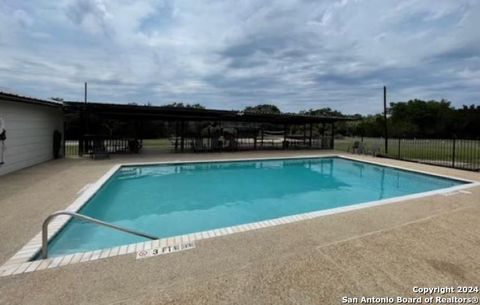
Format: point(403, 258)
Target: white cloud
point(297, 53)
point(22, 18)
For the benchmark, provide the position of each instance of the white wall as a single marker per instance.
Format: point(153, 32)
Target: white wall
point(29, 134)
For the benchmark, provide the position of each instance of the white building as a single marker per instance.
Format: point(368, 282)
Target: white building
point(29, 126)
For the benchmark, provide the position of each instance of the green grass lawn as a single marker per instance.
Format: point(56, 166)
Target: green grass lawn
point(467, 152)
point(160, 145)
point(157, 143)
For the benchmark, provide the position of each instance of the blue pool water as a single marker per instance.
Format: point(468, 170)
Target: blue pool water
point(169, 200)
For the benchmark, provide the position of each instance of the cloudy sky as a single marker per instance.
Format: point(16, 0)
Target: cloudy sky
point(298, 54)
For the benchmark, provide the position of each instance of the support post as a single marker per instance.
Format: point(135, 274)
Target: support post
point(332, 143)
point(323, 135)
point(81, 140)
point(182, 140)
point(64, 141)
point(453, 151)
point(262, 135)
point(285, 136)
point(311, 135)
point(398, 152)
point(385, 118)
point(304, 133)
point(142, 132)
point(176, 135)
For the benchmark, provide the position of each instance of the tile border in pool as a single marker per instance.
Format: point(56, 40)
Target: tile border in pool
point(20, 262)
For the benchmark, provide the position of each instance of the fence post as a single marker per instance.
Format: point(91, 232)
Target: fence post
point(81, 144)
point(453, 152)
point(332, 144)
point(182, 139)
point(311, 134)
point(398, 153)
point(385, 118)
point(64, 140)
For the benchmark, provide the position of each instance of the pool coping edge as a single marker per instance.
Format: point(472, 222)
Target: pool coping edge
point(21, 261)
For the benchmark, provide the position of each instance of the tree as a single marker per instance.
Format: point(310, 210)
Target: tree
point(467, 121)
point(340, 128)
point(263, 108)
point(182, 105)
point(371, 126)
point(322, 111)
point(417, 118)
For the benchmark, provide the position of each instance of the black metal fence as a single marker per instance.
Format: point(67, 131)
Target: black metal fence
point(71, 148)
point(111, 145)
point(208, 144)
point(76, 148)
point(456, 153)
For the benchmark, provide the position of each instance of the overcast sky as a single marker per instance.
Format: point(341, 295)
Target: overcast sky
point(297, 54)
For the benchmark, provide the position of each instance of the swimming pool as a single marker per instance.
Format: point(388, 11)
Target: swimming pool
point(174, 199)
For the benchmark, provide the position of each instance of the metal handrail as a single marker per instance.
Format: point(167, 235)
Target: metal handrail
point(86, 218)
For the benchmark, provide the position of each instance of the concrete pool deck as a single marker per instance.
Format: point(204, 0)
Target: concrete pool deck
point(377, 251)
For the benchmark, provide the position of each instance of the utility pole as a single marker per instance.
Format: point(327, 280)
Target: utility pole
point(85, 127)
point(87, 117)
point(385, 118)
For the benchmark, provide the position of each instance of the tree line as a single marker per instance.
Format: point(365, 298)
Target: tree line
point(423, 119)
point(412, 119)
